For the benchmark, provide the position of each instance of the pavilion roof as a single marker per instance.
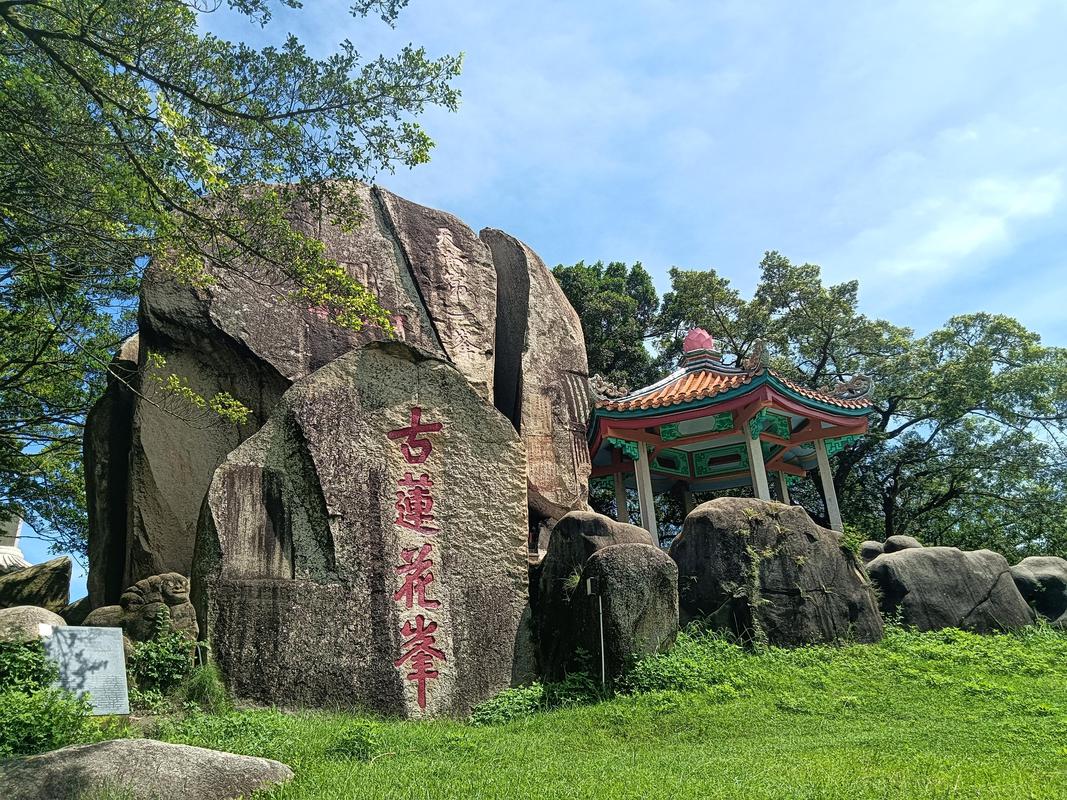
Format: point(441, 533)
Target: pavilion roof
point(703, 376)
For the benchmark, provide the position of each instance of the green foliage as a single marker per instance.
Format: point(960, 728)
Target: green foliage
point(24, 667)
point(132, 136)
point(618, 306)
point(204, 688)
point(33, 722)
point(163, 662)
point(508, 705)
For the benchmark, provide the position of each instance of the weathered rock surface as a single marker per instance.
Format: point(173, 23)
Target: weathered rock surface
point(141, 604)
point(19, 623)
point(106, 450)
point(76, 612)
point(321, 533)
point(144, 769)
point(46, 585)
point(870, 550)
point(943, 587)
point(1042, 581)
point(765, 572)
point(558, 618)
point(150, 467)
point(542, 376)
point(638, 584)
point(895, 544)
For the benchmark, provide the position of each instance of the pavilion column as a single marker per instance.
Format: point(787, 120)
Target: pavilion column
point(690, 502)
point(833, 511)
point(783, 487)
point(644, 492)
point(760, 486)
point(622, 509)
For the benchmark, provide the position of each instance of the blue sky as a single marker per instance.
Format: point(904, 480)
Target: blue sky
point(919, 147)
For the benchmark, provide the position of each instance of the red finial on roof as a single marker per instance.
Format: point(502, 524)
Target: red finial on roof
point(698, 339)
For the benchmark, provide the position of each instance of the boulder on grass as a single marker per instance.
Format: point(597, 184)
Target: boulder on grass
point(765, 572)
point(1042, 581)
point(19, 623)
point(895, 544)
point(942, 587)
point(141, 769)
point(46, 585)
point(638, 586)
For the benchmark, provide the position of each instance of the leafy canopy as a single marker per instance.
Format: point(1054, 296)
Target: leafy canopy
point(130, 135)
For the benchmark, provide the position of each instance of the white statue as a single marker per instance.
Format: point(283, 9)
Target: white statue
point(11, 557)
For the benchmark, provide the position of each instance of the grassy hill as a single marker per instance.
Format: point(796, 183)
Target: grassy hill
point(937, 715)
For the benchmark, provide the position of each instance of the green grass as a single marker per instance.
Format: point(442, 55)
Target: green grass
point(942, 715)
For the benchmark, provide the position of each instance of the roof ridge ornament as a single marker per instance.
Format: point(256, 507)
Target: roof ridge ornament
point(605, 389)
point(699, 348)
point(853, 389)
point(757, 359)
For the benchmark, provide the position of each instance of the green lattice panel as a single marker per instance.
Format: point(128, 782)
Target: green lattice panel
point(703, 467)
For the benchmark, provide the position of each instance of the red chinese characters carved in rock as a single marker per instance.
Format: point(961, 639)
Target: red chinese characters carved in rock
point(417, 576)
point(421, 652)
point(414, 512)
point(414, 504)
point(415, 450)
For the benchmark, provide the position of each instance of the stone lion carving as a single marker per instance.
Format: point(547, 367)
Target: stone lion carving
point(140, 605)
point(605, 389)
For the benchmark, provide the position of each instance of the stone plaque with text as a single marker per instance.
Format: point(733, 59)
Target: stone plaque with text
point(91, 661)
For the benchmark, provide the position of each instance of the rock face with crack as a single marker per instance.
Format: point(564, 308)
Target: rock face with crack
point(942, 587)
point(140, 769)
point(542, 377)
point(1042, 581)
point(367, 547)
point(765, 572)
point(149, 458)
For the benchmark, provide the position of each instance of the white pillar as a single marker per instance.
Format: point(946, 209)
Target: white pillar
point(783, 487)
point(622, 510)
point(755, 465)
point(644, 493)
point(833, 511)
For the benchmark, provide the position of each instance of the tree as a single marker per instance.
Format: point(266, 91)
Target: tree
point(967, 438)
point(129, 136)
point(618, 306)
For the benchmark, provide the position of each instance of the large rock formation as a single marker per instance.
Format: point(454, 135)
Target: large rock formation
point(636, 584)
point(150, 460)
point(542, 376)
point(46, 585)
point(1042, 581)
point(138, 769)
point(367, 547)
point(943, 587)
point(765, 572)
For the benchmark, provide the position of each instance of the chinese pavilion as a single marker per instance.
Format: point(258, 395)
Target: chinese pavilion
point(710, 426)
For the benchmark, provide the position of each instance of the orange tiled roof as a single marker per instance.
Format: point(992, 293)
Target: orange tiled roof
point(700, 384)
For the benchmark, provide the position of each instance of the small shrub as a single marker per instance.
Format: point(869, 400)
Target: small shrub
point(358, 741)
point(42, 720)
point(148, 701)
point(578, 688)
point(204, 688)
point(24, 667)
point(509, 705)
point(164, 661)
